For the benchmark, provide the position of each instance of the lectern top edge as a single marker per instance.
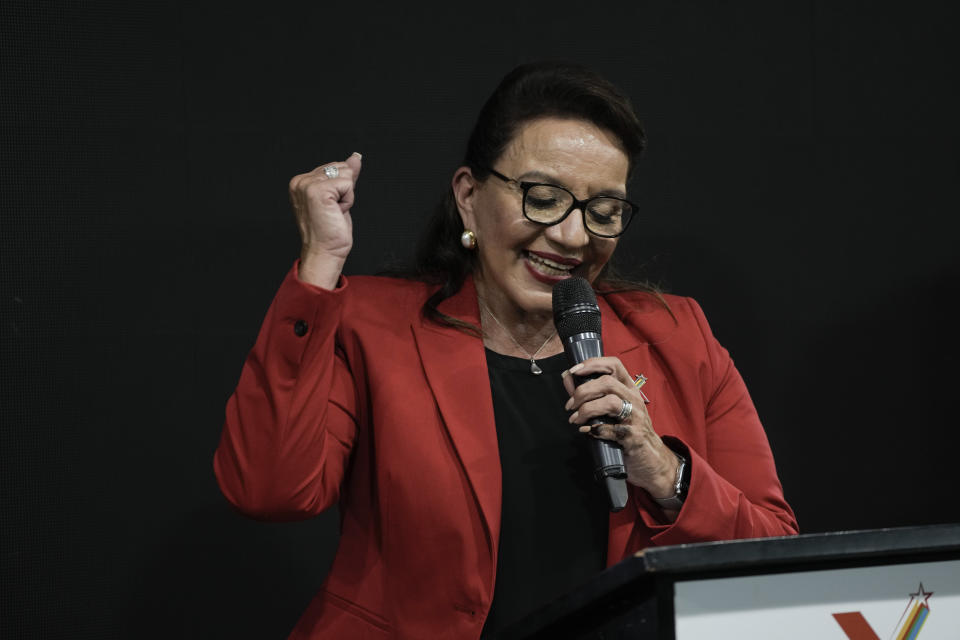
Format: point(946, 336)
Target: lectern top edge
point(816, 547)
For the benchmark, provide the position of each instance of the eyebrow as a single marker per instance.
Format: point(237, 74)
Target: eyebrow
point(540, 176)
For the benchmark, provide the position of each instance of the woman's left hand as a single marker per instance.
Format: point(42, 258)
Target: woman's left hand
point(650, 464)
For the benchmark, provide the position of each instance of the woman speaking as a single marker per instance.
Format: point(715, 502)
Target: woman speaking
point(439, 412)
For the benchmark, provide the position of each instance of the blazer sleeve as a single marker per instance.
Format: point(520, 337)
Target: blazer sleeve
point(291, 422)
point(734, 489)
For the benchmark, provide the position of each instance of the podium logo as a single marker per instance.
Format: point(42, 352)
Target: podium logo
point(908, 627)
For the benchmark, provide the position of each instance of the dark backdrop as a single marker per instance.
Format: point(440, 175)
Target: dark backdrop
point(801, 183)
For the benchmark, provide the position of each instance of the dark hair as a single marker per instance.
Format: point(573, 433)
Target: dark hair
point(528, 92)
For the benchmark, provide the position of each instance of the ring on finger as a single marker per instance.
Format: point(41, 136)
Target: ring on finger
point(331, 171)
point(625, 410)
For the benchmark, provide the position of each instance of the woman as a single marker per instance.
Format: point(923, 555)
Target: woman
point(462, 475)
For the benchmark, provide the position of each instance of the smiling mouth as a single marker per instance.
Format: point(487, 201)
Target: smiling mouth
point(548, 266)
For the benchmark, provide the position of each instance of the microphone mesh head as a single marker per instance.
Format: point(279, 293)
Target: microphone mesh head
point(575, 308)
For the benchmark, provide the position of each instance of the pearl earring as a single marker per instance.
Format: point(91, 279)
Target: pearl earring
point(468, 239)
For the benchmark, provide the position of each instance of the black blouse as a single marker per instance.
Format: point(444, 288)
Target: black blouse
point(553, 533)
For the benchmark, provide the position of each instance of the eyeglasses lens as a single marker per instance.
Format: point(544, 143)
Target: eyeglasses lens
point(605, 216)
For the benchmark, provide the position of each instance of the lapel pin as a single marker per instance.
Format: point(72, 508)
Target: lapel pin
point(638, 382)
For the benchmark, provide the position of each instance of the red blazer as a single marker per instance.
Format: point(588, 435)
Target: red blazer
point(350, 396)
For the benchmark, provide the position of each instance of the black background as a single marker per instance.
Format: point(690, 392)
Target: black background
point(801, 183)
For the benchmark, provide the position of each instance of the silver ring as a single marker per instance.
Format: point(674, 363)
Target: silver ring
point(333, 171)
point(625, 410)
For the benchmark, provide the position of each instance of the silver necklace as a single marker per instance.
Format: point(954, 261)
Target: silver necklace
point(534, 367)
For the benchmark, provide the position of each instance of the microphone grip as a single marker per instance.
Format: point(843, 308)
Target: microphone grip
point(608, 463)
point(607, 458)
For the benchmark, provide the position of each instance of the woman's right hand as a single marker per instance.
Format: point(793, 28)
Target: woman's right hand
point(321, 205)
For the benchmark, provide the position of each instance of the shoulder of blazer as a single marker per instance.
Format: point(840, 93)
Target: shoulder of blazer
point(651, 320)
point(386, 295)
point(382, 304)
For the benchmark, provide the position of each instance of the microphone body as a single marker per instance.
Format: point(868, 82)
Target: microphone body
point(577, 318)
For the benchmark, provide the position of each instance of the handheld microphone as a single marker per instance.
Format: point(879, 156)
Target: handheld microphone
point(577, 318)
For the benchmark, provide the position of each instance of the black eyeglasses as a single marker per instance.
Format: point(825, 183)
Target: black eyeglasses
point(549, 204)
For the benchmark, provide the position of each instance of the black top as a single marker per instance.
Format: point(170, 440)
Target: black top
point(553, 532)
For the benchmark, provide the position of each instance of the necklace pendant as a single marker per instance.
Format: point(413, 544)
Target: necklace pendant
point(534, 369)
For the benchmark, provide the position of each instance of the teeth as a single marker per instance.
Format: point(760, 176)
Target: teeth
point(550, 264)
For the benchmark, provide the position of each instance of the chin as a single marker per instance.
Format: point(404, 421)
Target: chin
point(539, 300)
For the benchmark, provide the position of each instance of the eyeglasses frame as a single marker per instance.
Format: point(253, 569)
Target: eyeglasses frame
point(577, 203)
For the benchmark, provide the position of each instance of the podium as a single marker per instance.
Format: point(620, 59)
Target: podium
point(889, 584)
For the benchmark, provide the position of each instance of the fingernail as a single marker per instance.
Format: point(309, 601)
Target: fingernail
point(576, 368)
point(565, 373)
point(584, 429)
point(357, 153)
point(569, 404)
point(574, 416)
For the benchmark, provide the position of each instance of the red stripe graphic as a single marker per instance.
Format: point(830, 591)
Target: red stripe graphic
point(855, 626)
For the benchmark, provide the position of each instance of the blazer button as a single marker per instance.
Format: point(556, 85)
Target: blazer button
point(300, 328)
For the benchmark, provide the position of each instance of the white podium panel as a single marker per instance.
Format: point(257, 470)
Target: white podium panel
point(919, 601)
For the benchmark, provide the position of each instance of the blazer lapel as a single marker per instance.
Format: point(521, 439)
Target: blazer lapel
point(456, 369)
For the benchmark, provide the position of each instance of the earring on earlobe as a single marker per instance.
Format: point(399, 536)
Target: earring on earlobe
point(468, 239)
